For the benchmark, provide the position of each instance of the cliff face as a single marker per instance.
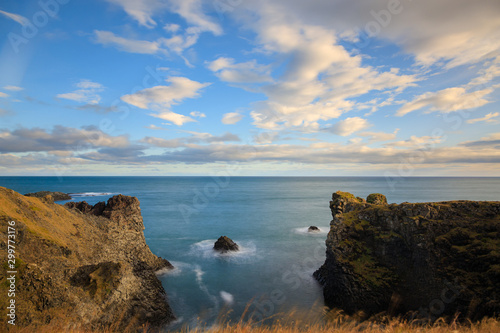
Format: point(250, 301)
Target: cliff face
point(423, 259)
point(82, 264)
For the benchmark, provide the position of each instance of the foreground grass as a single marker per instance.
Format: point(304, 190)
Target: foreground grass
point(290, 325)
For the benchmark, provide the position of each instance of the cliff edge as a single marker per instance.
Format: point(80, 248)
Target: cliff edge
point(80, 265)
point(425, 260)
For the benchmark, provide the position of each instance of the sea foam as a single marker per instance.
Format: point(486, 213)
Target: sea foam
point(305, 231)
point(205, 248)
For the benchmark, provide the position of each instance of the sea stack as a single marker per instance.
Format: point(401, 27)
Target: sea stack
point(313, 229)
point(225, 244)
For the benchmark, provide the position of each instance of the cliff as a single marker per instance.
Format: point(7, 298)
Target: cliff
point(424, 260)
point(81, 265)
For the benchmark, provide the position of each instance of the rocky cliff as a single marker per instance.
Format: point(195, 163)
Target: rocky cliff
point(420, 259)
point(81, 265)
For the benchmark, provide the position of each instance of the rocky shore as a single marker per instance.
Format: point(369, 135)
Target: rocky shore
point(57, 196)
point(423, 260)
point(82, 265)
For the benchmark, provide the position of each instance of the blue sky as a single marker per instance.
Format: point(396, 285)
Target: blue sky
point(283, 87)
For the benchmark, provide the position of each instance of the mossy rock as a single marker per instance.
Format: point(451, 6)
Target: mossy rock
point(377, 199)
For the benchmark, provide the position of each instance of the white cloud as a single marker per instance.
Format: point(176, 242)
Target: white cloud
point(60, 138)
point(454, 31)
point(447, 100)
point(128, 45)
point(3, 95)
point(487, 74)
point(141, 10)
point(163, 143)
point(197, 114)
point(349, 126)
point(13, 88)
point(246, 72)
point(415, 142)
point(162, 98)
point(175, 118)
point(321, 77)
point(18, 18)
point(487, 119)
point(266, 137)
point(171, 27)
point(492, 140)
point(195, 137)
point(379, 136)
point(231, 118)
point(192, 12)
point(87, 92)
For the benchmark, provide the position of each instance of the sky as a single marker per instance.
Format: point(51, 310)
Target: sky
point(391, 88)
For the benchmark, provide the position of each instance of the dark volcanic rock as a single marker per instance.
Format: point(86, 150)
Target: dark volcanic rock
point(313, 229)
point(57, 196)
point(225, 244)
point(432, 259)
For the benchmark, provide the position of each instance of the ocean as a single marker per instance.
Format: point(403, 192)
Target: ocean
point(267, 216)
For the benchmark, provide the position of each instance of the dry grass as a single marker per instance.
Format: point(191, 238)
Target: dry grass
point(334, 321)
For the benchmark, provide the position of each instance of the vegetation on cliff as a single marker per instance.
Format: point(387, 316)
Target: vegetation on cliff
point(424, 260)
point(81, 269)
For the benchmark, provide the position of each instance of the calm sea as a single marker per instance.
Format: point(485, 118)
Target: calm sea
point(267, 216)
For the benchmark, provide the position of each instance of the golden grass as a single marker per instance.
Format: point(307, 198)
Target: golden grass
point(333, 322)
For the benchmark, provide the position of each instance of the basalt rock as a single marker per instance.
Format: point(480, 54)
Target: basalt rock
point(81, 265)
point(225, 244)
point(423, 259)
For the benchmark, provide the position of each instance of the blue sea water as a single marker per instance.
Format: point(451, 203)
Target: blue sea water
point(267, 216)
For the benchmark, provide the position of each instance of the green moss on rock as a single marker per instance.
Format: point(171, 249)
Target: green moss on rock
point(376, 199)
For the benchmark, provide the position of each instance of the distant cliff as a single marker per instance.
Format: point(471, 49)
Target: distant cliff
point(81, 264)
point(424, 259)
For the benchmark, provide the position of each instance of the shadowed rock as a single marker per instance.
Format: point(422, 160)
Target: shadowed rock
point(313, 229)
point(402, 259)
point(225, 244)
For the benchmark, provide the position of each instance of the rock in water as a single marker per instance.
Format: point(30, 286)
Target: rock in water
point(313, 229)
point(412, 256)
point(225, 244)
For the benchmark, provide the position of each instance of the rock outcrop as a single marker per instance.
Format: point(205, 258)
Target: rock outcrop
point(81, 265)
point(56, 196)
point(225, 244)
point(420, 259)
point(313, 229)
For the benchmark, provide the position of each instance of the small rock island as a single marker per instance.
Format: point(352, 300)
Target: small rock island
point(313, 229)
point(225, 244)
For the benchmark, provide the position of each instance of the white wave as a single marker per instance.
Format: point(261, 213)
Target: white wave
point(227, 297)
point(206, 250)
point(89, 194)
point(179, 267)
point(203, 287)
point(305, 231)
point(199, 275)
